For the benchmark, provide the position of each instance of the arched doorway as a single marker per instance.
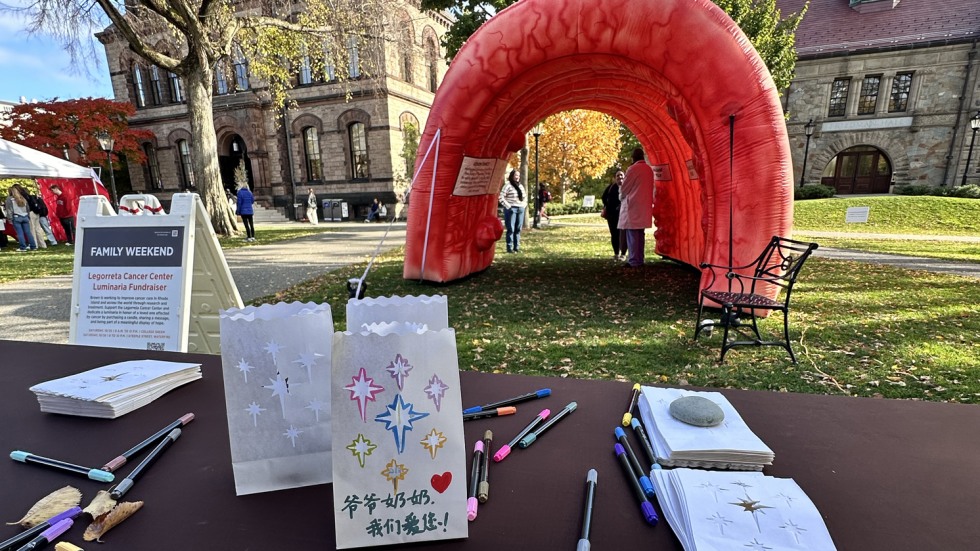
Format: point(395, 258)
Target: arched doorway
point(858, 169)
point(229, 159)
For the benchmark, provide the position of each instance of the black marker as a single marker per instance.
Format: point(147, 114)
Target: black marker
point(483, 490)
point(529, 439)
point(590, 483)
point(119, 461)
point(25, 536)
point(125, 484)
point(505, 451)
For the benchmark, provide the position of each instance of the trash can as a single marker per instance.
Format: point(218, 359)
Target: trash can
point(331, 210)
point(300, 211)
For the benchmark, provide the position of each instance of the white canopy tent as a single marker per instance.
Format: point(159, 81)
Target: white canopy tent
point(18, 161)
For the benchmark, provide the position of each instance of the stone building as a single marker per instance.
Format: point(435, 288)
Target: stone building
point(343, 140)
point(890, 87)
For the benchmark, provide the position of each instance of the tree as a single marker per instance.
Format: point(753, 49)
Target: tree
point(774, 38)
point(69, 127)
point(192, 38)
point(575, 146)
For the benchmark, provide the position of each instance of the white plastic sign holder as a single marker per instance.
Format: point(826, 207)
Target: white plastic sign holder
point(153, 282)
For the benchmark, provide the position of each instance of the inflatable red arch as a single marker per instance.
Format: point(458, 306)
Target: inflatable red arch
point(674, 71)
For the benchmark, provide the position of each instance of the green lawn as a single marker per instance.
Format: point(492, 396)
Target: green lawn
point(946, 250)
point(892, 214)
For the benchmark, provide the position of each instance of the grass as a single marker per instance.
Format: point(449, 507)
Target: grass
point(946, 250)
point(892, 214)
point(564, 309)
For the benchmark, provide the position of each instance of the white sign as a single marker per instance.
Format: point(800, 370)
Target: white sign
point(588, 201)
point(344, 213)
point(866, 124)
point(661, 173)
point(857, 214)
point(149, 282)
point(480, 177)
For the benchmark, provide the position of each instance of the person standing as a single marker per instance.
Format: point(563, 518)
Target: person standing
point(311, 207)
point(245, 202)
point(636, 211)
point(513, 197)
point(65, 213)
point(3, 228)
point(544, 197)
point(16, 207)
point(611, 205)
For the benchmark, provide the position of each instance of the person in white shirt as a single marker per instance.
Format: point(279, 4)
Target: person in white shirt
point(513, 197)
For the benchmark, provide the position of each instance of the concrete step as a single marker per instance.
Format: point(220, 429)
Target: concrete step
point(265, 215)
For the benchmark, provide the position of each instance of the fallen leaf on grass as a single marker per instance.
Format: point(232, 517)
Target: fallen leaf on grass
point(50, 505)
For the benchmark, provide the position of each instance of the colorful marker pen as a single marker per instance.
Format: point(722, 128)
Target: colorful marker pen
point(529, 439)
point(641, 475)
point(645, 507)
point(472, 503)
point(590, 483)
point(511, 401)
point(119, 490)
point(505, 451)
point(483, 490)
point(489, 413)
point(25, 536)
point(119, 461)
point(48, 535)
point(634, 397)
point(94, 474)
point(645, 441)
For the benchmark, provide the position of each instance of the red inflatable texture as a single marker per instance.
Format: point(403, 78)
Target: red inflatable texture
point(676, 72)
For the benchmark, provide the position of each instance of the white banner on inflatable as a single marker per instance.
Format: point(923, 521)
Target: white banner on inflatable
point(480, 177)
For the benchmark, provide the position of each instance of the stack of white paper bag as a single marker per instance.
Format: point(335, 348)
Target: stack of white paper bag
point(719, 510)
point(114, 390)
point(730, 445)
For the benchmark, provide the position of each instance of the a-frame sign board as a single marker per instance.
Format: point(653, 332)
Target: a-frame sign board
point(153, 282)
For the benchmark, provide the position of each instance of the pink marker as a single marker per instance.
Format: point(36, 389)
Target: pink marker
point(505, 451)
point(472, 502)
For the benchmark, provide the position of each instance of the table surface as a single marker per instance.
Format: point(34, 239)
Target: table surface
point(885, 474)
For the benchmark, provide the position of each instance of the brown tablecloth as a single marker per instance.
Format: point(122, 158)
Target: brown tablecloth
point(888, 475)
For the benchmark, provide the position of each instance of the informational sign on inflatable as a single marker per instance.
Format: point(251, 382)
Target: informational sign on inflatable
point(661, 173)
point(480, 177)
point(692, 172)
point(152, 282)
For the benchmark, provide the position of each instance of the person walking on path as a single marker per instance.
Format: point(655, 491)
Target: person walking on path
point(513, 197)
point(611, 206)
point(20, 214)
point(65, 213)
point(636, 212)
point(245, 202)
point(311, 207)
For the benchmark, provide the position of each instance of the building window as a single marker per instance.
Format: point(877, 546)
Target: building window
point(220, 80)
point(176, 92)
point(240, 70)
point(838, 97)
point(406, 52)
point(432, 58)
point(139, 89)
point(156, 86)
point(305, 74)
point(152, 172)
point(357, 134)
point(329, 69)
point(311, 144)
point(354, 65)
point(899, 99)
point(186, 167)
point(868, 100)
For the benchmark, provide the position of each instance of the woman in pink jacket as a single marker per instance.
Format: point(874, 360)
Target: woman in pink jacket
point(636, 209)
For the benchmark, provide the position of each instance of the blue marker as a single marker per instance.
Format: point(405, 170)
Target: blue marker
point(641, 476)
point(645, 507)
point(95, 474)
point(510, 401)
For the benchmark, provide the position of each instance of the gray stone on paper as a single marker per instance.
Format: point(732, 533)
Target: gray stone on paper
point(697, 411)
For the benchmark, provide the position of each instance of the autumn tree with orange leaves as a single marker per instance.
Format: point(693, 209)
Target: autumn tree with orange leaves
point(575, 146)
point(56, 127)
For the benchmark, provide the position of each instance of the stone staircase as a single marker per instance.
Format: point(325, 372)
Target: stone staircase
point(265, 215)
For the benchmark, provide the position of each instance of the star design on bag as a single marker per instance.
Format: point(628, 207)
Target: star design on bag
point(280, 388)
point(399, 418)
point(435, 390)
point(433, 441)
point(360, 448)
point(244, 367)
point(362, 390)
point(393, 472)
point(292, 433)
point(399, 370)
point(750, 506)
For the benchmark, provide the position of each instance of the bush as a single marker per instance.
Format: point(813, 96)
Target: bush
point(971, 191)
point(557, 209)
point(813, 191)
point(920, 189)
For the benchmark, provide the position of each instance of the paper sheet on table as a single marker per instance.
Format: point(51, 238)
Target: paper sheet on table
point(718, 510)
point(399, 470)
point(276, 364)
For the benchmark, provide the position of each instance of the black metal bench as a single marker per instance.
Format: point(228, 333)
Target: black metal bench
point(778, 265)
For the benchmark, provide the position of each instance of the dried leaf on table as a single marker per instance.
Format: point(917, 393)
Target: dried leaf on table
point(106, 522)
point(101, 505)
point(50, 505)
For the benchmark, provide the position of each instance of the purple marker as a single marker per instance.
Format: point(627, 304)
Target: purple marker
point(505, 451)
point(48, 535)
point(472, 502)
point(648, 513)
point(25, 536)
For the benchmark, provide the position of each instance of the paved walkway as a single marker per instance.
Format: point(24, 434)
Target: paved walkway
point(37, 309)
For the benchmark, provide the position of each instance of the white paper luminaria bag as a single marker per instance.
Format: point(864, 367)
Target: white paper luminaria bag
point(276, 364)
point(432, 311)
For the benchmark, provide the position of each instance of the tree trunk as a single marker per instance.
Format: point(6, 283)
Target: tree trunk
point(204, 150)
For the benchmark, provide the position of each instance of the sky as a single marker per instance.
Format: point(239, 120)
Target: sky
point(36, 67)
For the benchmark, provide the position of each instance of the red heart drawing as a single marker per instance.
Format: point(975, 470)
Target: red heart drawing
point(441, 481)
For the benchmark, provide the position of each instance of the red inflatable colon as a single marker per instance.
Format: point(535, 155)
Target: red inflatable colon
point(673, 71)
